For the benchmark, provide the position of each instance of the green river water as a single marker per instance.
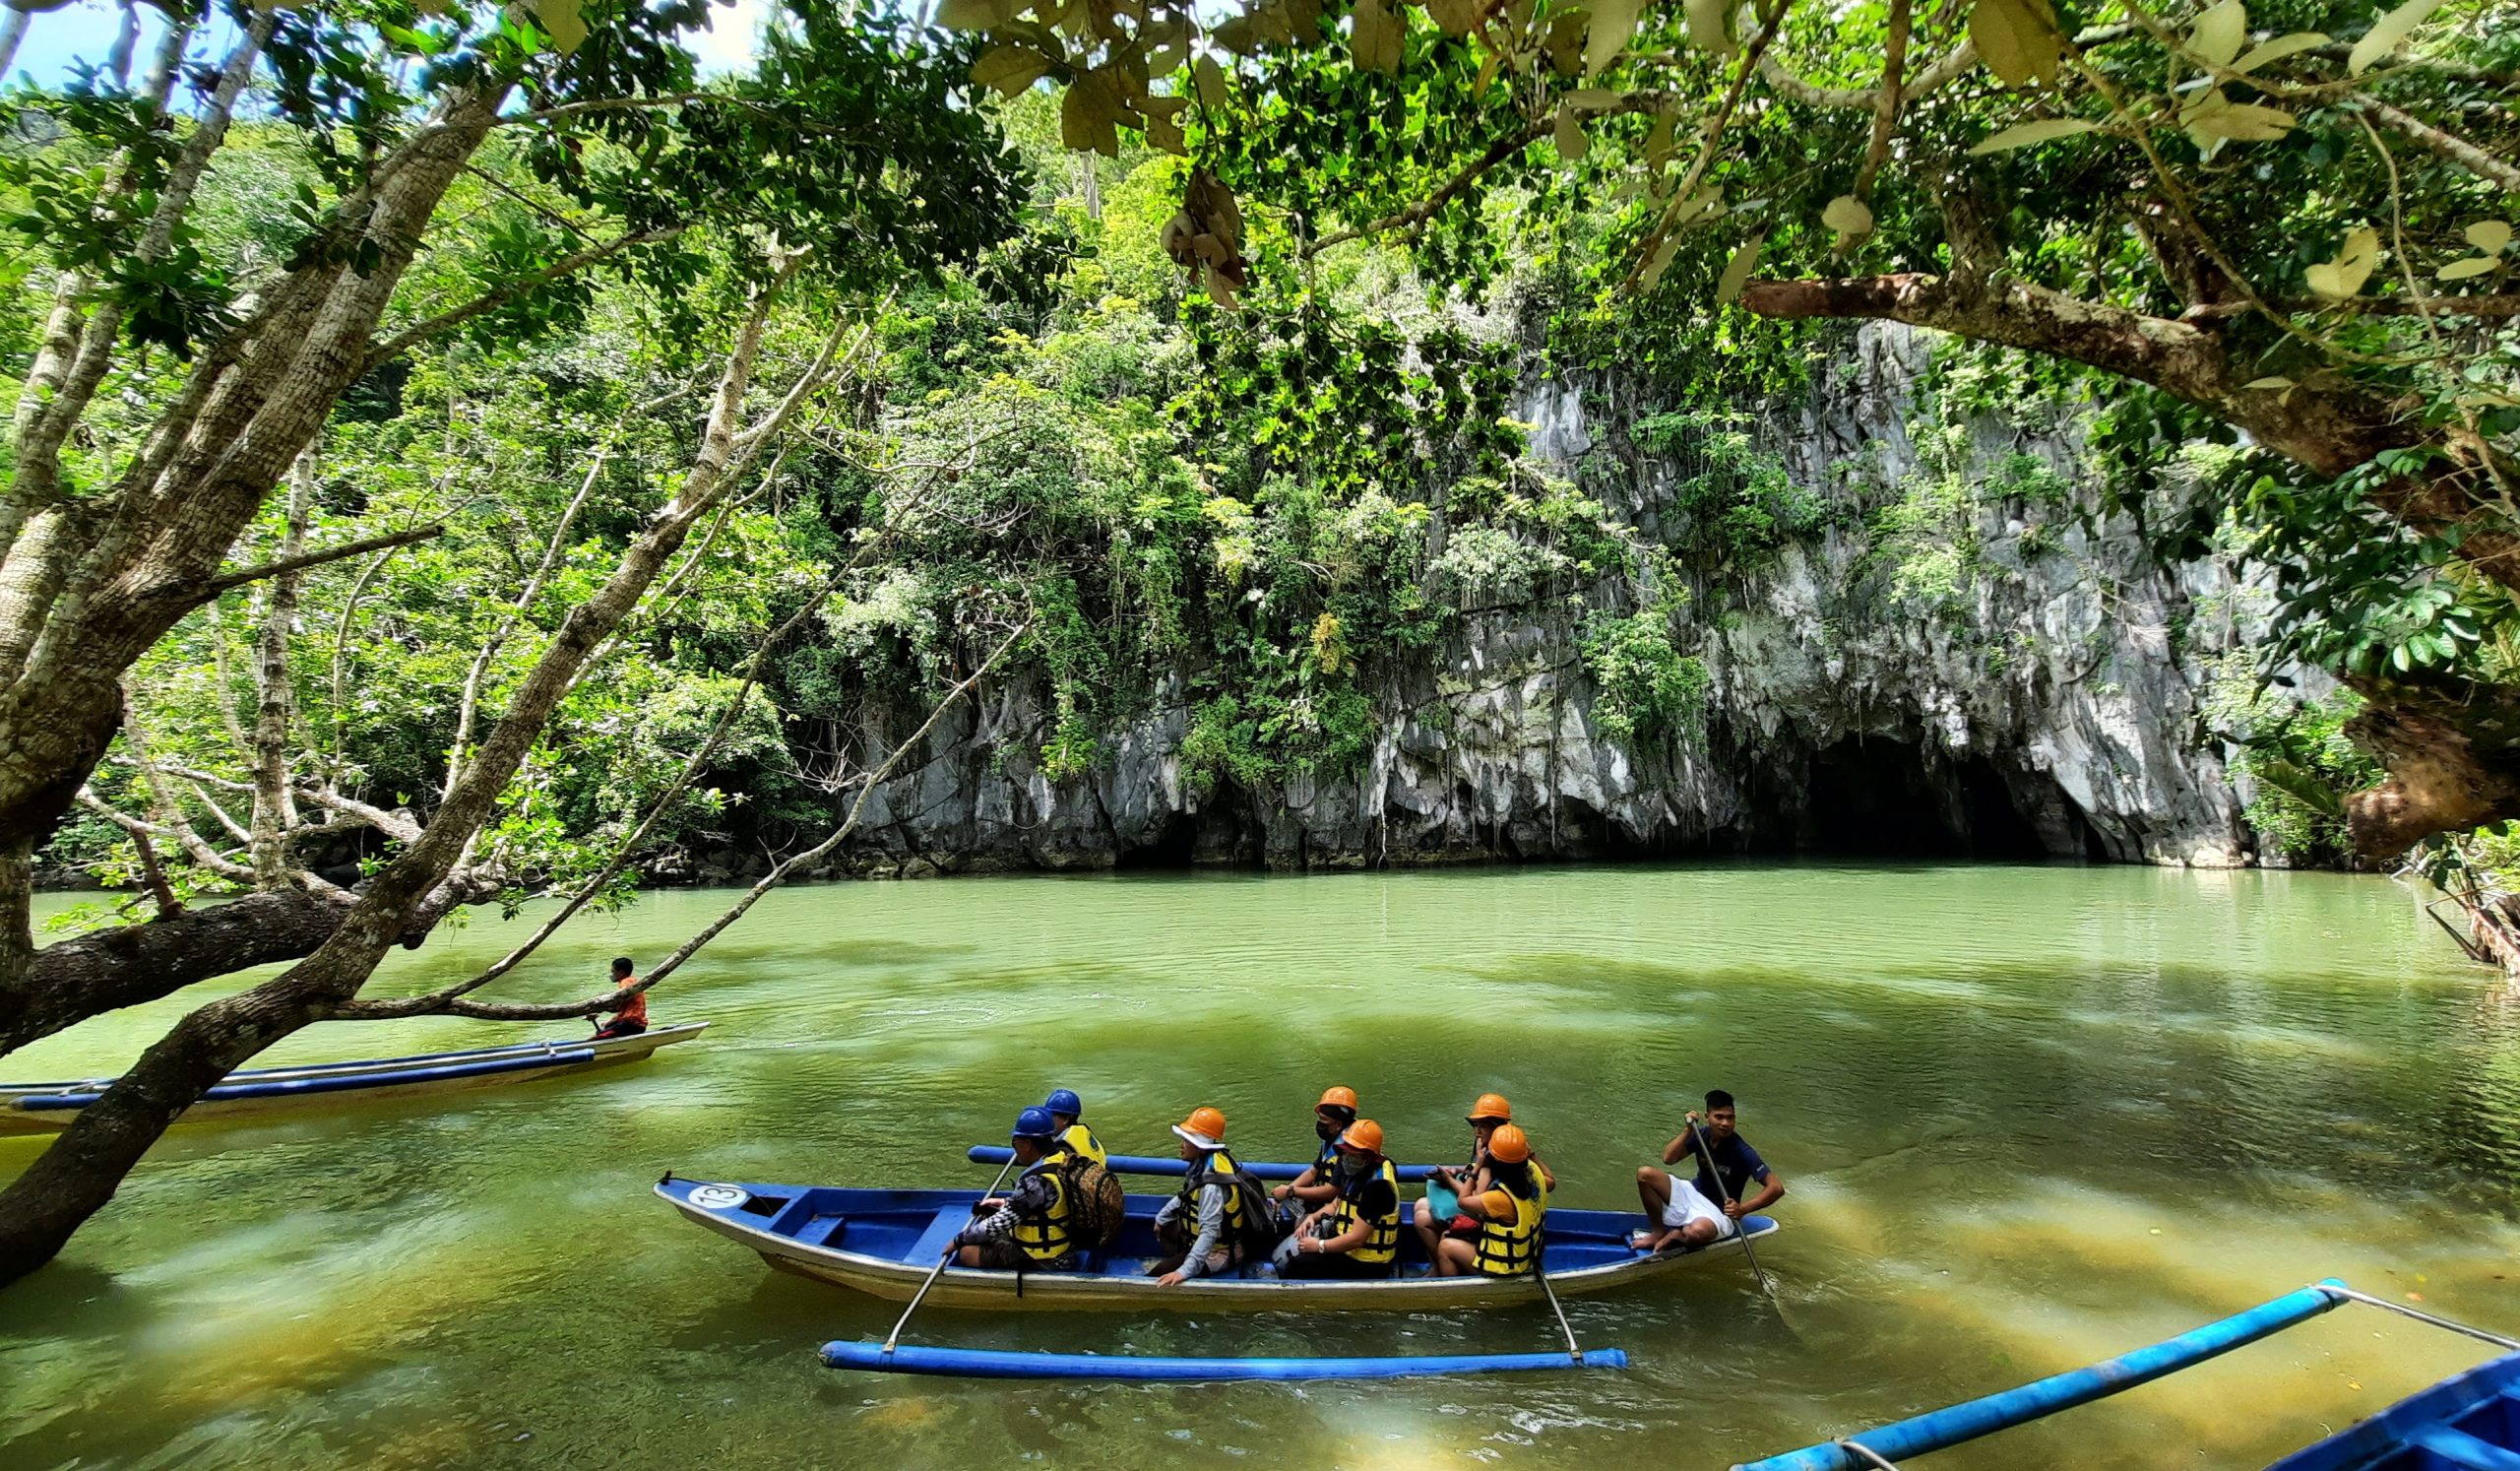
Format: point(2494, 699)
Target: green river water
point(2030, 1118)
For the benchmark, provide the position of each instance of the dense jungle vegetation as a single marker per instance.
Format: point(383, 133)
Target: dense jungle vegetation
point(465, 453)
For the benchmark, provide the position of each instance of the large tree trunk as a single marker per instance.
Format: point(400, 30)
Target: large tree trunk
point(77, 978)
point(2454, 757)
point(81, 598)
point(80, 1170)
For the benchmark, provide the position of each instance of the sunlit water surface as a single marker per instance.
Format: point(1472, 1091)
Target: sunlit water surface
point(2031, 1116)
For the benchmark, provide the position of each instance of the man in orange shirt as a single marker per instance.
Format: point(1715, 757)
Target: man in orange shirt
point(632, 1007)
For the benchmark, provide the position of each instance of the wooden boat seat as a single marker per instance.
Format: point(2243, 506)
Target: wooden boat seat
point(825, 1231)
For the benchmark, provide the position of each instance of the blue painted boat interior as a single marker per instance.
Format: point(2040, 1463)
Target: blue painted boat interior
point(2469, 1422)
point(914, 1225)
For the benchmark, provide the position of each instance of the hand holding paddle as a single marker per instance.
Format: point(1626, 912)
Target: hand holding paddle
point(952, 1246)
point(1731, 1211)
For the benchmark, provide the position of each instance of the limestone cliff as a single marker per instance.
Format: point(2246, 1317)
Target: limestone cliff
point(2040, 696)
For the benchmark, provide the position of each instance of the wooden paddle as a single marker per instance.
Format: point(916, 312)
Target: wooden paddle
point(1741, 1228)
point(895, 1336)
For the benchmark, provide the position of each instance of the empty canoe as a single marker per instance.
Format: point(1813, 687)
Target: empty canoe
point(884, 1243)
point(41, 1108)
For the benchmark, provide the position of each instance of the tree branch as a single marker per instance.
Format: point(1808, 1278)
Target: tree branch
point(2496, 171)
point(451, 1001)
point(394, 346)
point(226, 581)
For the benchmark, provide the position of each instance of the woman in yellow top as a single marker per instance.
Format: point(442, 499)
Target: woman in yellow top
point(1508, 1211)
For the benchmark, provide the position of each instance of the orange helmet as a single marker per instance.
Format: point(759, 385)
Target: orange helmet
point(1364, 1136)
point(1509, 1145)
point(1337, 1098)
point(1204, 1128)
point(1491, 1108)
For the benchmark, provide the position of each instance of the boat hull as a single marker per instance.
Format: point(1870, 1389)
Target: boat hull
point(47, 1107)
point(884, 1243)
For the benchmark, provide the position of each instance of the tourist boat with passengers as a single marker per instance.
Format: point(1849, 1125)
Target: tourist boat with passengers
point(43, 1108)
point(887, 1243)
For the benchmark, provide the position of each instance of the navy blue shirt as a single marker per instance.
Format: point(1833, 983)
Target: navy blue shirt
point(1739, 1163)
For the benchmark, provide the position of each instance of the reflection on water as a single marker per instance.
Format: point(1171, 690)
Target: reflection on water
point(2031, 1116)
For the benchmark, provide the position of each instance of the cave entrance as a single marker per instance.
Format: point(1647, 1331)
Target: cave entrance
point(1890, 798)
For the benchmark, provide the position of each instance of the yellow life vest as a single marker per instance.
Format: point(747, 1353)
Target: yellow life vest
point(1047, 1238)
point(1080, 1141)
point(1219, 1170)
point(1511, 1248)
point(1384, 1244)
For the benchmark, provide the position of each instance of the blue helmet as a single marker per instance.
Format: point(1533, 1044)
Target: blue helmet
point(1036, 1123)
point(1064, 1101)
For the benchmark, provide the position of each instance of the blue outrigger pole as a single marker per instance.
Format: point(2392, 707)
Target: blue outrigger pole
point(993, 1364)
point(1950, 1426)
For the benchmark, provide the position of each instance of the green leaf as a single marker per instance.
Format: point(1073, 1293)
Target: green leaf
point(1009, 69)
point(1612, 23)
point(560, 21)
point(2489, 236)
point(1375, 42)
point(2475, 264)
point(1847, 216)
point(2387, 34)
point(2279, 48)
point(1709, 30)
point(1209, 78)
point(2043, 130)
point(1572, 145)
point(2218, 32)
point(2242, 122)
point(2018, 41)
point(972, 14)
point(1736, 271)
point(2343, 276)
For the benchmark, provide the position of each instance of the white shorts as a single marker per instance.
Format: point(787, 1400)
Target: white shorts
point(1689, 1205)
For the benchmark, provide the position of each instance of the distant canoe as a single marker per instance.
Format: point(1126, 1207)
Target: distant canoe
point(44, 1108)
point(884, 1243)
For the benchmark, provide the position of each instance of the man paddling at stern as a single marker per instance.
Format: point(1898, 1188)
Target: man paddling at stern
point(1693, 1212)
point(632, 1008)
point(1027, 1228)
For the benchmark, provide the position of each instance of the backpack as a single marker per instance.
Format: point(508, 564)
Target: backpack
point(1264, 1224)
point(1096, 1203)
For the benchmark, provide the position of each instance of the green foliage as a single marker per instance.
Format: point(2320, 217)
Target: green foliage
point(2298, 759)
point(1741, 506)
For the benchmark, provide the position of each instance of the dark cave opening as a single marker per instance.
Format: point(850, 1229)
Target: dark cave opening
point(1175, 847)
point(1887, 798)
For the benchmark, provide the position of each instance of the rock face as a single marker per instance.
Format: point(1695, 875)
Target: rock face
point(2050, 707)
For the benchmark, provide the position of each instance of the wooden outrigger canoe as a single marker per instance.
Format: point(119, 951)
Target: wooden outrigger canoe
point(885, 1243)
point(44, 1108)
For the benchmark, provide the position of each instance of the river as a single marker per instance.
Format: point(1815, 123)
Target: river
point(2030, 1116)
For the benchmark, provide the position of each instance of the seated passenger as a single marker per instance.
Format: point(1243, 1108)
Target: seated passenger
point(1700, 1213)
point(1319, 1185)
point(1358, 1234)
point(1067, 1110)
point(1027, 1227)
point(1218, 1212)
point(1485, 1115)
point(1508, 1211)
